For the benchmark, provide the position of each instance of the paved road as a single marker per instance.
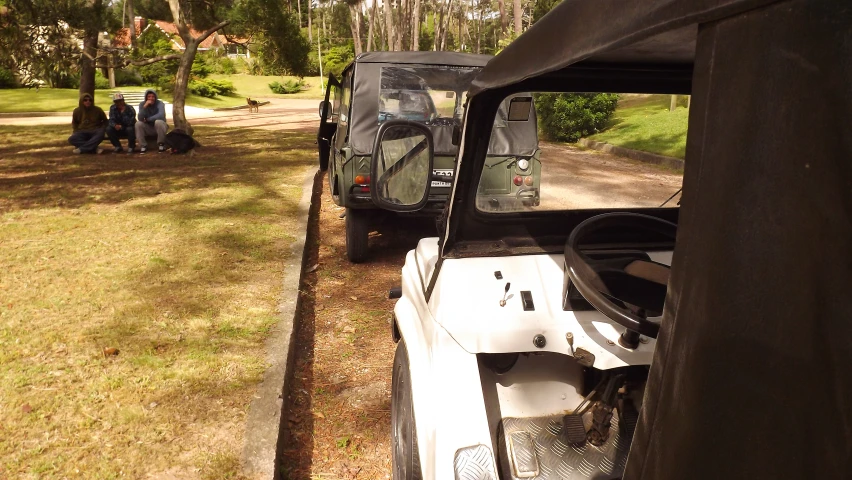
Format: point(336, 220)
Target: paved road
point(279, 114)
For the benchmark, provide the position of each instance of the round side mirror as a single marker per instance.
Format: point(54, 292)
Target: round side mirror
point(401, 171)
point(322, 108)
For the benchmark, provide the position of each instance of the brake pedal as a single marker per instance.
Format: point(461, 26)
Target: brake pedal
point(572, 426)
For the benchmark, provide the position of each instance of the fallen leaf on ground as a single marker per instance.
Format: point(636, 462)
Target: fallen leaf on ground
point(26, 408)
point(319, 415)
point(311, 269)
point(110, 352)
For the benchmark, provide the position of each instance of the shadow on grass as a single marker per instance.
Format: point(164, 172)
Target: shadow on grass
point(39, 170)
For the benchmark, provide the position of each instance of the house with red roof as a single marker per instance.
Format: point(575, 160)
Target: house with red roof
point(216, 41)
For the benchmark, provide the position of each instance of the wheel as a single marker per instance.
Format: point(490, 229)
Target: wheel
point(406, 457)
point(324, 153)
point(357, 230)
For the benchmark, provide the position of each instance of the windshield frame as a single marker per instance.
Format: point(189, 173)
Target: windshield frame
point(470, 232)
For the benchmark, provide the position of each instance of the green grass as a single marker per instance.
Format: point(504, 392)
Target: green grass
point(258, 86)
point(176, 261)
point(66, 99)
point(645, 123)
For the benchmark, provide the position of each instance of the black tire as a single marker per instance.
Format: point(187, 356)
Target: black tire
point(357, 231)
point(324, 154)
point(406, 458)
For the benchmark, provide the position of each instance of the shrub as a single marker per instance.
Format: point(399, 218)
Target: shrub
point(127, 77)
point(210, 88)
point(567, 117)
point(289, 86)
point(101, 82)
point(221, 87)
point(7, 80)
point(336, 59)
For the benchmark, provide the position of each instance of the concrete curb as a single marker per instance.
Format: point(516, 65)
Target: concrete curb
point(638, 155)
point(263, 422)
point(239, 107)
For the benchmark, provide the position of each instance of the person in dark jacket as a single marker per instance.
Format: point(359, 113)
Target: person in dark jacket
point(89, 124)
point(152, 121)
point(122, 123)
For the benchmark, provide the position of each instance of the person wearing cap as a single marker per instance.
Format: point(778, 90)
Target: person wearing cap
point(122, 123)
point(88, 123)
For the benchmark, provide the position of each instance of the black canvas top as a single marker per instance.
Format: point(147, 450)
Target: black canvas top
point(607, 31)
point(518, 138)
point(424, 58)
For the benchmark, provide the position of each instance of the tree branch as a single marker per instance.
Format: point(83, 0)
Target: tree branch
point(212, 30)
point(149, 61)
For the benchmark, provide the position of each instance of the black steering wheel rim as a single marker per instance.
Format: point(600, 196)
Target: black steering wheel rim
point(582, 275)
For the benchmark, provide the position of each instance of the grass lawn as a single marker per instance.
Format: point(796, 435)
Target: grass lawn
point(645, 123)
point(67, 99)
point(176, 262)
point(258, 86)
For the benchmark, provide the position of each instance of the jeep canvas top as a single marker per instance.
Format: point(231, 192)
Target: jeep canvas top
point(619, 329)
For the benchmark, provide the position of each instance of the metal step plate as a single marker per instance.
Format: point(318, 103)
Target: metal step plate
point(555, 457)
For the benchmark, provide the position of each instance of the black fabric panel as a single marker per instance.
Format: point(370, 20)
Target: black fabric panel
point(752, 376)
point(606, 31)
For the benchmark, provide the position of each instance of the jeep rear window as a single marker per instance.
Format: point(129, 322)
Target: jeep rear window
point(425, 94)
point(595, 151)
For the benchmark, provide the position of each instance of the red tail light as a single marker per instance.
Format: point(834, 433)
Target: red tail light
point(518, 180)
point(362, 179)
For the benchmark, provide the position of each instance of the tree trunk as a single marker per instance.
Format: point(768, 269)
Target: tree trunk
point(371, 16)
point(439, 25)
point(415, 23)
point(131, 15)
point(186, 59)
point(518, 15)
point(181, 82)
point(446, 28)
point(354, 25)
point(299, 12)
point(389, 23)
point(87, 62)
point(310, 35)
point(504, 22)
point(479, 27)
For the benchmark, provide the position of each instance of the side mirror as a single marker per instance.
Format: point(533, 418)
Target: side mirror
point(322, 106)
point(401, 169)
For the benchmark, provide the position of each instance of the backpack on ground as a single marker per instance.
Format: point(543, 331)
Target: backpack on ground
point(179, 141)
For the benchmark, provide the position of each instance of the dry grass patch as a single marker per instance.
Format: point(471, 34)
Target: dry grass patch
point(176, 262)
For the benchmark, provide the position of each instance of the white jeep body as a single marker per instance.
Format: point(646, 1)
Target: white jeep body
point(464, 317)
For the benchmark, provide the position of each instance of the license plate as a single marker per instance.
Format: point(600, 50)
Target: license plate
point(446, 173)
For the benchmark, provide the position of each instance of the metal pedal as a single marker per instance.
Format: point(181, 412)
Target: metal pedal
point(522, 453)
point(573, 428)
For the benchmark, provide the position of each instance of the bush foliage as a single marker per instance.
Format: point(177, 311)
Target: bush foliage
point(210, 88)
point(7, 80)
point(288, 86)
point(568, 117)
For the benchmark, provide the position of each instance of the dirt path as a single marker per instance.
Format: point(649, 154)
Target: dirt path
point(339, 424)
point(575, 178)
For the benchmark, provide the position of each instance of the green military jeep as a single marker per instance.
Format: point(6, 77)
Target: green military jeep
point(429, 88)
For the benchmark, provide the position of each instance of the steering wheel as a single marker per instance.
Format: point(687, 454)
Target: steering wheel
point(626, 288)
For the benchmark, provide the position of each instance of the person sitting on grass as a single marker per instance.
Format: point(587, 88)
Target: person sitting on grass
point(89, 124)
point(122, 123)
point(152, 121)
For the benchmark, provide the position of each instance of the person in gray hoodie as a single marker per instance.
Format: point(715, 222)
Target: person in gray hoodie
point(152, 121)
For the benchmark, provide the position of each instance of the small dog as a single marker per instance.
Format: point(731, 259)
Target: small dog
point(253, 105)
